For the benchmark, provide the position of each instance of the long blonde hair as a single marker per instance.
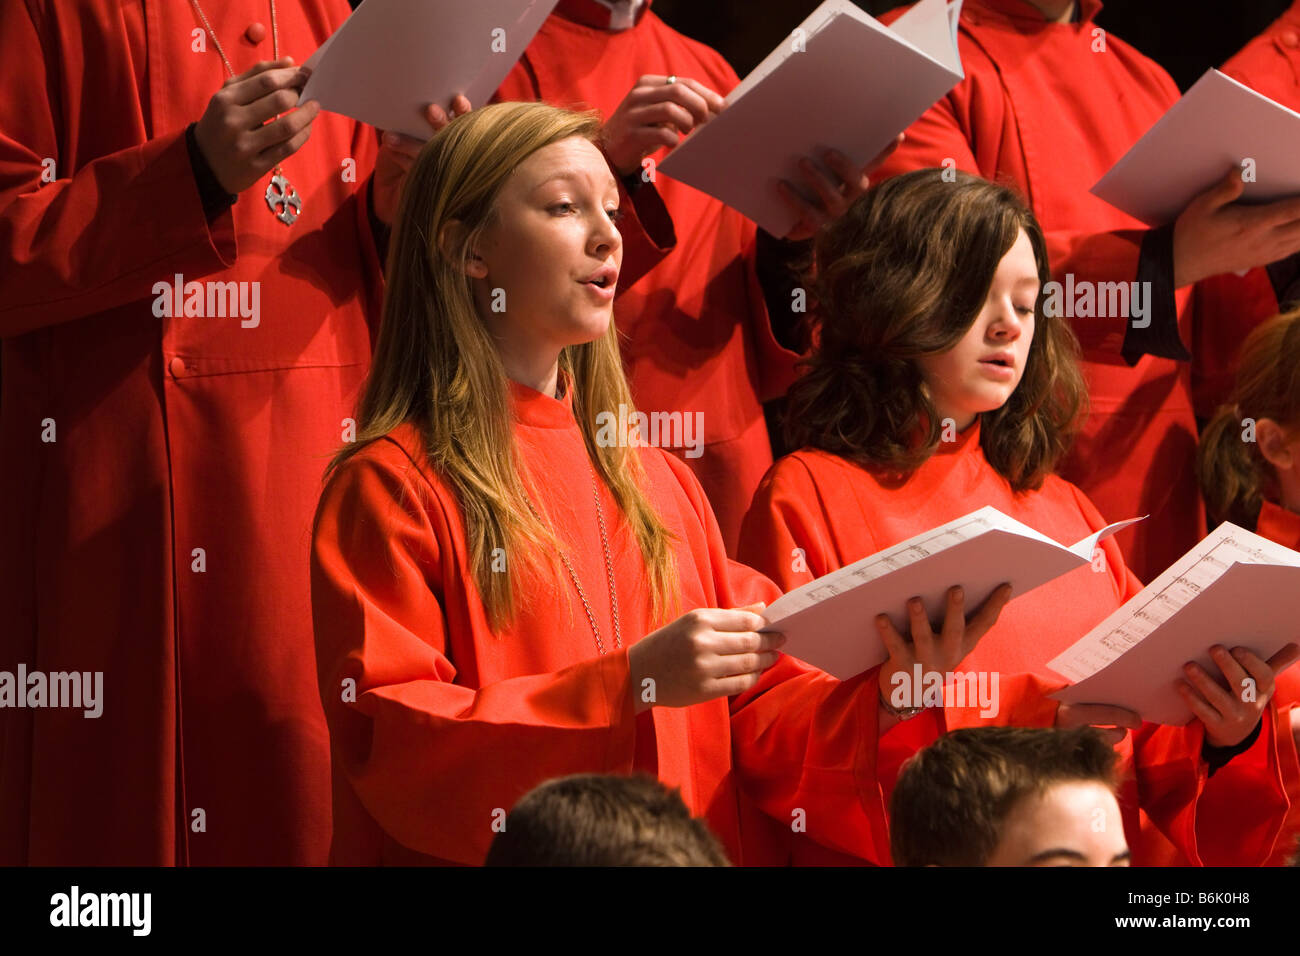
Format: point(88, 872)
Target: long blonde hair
point(436, 365)
point(1235, 477)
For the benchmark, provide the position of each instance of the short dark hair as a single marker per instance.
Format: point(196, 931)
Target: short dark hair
point(901, 275)
point(953, 797)
point(604, 820)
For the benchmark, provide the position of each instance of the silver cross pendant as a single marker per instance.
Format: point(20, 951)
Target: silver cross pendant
point(283, 199)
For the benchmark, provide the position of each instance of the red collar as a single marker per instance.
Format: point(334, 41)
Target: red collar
point(593, 13)
point(533, 408)
point(1279, 524)
point(1024, 10)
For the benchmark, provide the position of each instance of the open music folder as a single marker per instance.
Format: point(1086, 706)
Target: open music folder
point(841, 80)
point(830, 622)
point(1234, 588)
point(391, 58)
point(1217, 125)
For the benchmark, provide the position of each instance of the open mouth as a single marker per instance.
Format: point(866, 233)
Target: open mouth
point(603, 278)
point(997, 360)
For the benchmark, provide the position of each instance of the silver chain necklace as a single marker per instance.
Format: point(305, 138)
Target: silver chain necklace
point(281, 197)
point(609, 570)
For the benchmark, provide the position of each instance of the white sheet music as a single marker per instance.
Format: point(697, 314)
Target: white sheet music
point(826, 621)
point(1173, 590)
point(841, 79)
point(899, 556)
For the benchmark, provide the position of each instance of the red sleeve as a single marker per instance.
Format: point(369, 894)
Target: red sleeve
point(76, 246)
point(803, 743)
point(647, 231)
point(1288, 749)
point(777, 365)
point(420, 749)
point(1270, 63)
point(784, 533)
point(1263, 779)
point(948, 132)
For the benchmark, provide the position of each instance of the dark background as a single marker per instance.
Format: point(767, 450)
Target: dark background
point(1186, 37)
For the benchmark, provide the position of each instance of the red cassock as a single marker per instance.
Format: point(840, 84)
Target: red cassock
point(695, 331)
point(1048, 108)
point(816, 512)
point(438, 724)
point(161, 472)
point(1228, 306)
point(1283, 526)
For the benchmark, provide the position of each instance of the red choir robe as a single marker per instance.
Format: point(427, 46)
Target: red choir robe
point(696, 335)
point(816, 512)
point(1038, 110)
point(439, 725)
point(161, 471)
point(1228, 307)
point(1283, 526)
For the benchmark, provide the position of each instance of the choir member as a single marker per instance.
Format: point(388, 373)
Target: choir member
point(697, 337)
point(938, 386)
point(597, 819)
point(500, 568)
point(1049, 102)
point(1009, 796)
point(1249, 468)
point(185, 307)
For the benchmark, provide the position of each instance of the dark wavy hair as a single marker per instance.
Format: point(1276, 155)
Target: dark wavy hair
point(904, 274)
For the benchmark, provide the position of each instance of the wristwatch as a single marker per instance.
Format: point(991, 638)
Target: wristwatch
point(900, 713)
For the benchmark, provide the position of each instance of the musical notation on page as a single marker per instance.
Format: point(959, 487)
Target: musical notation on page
point(1233, 588)
point(822, 620)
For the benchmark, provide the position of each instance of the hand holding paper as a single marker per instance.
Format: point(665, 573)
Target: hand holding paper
point(824, 620)
point(1220, 143)
point(835, 190)
point(391, 58)
point(652, 116)
point(1229, 715)
point(1217, 234)
point(936, 653)
point(1234, 587)
point(396, 154)
point(841, 80)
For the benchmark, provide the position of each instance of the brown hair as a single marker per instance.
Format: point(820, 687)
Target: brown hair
point(1235, 477)
point(604, 820)
point(436, 364)
point(903, 274)
point(953, 797)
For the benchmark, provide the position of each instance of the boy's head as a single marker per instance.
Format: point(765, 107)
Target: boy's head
point(1009, 796)
point(604, 820)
